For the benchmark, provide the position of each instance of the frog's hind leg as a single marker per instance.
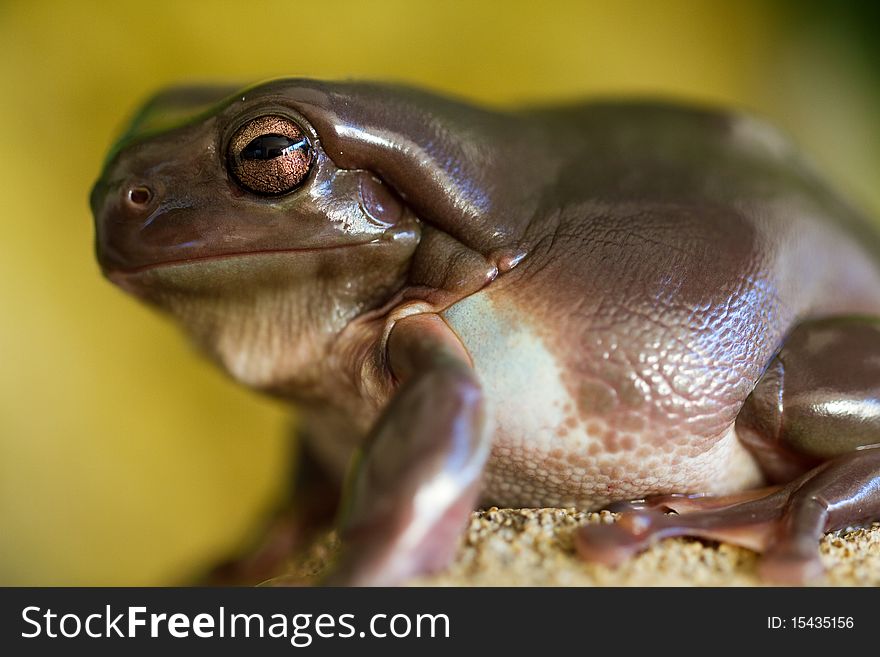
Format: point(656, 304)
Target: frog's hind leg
point(813, 419)
point(748, 523)
point(785, 524)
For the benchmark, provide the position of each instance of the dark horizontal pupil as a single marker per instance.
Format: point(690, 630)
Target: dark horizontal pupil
point(267, 147)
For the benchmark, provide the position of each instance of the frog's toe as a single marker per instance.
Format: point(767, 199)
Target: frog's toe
point(663, 503)
point(612, 544)
point(788, 567)
point(687, 502)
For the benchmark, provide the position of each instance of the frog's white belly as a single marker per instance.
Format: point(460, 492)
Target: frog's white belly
point(544, 453)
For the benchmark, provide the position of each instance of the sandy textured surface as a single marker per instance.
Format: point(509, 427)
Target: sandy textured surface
point(533, 547)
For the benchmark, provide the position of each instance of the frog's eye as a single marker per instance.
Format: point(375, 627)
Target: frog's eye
point(269, 155)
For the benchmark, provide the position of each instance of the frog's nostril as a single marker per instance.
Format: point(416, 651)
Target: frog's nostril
point(139, 196)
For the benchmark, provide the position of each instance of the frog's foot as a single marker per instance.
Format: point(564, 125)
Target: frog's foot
point(785, 523)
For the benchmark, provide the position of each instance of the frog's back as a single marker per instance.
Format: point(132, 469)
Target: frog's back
point(676, 251)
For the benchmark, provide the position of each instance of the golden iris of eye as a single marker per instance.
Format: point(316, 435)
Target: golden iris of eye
point(269, 155)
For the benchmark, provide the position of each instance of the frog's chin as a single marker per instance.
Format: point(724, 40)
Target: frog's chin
point(267, 317)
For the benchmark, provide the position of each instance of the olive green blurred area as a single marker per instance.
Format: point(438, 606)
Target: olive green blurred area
point(125, 459)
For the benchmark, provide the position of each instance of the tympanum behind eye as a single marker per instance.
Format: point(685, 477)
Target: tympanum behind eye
point(269, 156)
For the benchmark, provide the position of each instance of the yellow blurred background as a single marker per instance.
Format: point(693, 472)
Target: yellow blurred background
point(124, 459)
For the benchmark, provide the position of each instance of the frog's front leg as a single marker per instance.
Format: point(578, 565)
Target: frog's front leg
point(418, 480)
point(816, 404)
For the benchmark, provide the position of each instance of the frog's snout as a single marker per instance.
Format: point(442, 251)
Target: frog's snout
point(122, 208)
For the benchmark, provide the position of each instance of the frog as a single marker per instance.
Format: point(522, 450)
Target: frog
point(659, 308)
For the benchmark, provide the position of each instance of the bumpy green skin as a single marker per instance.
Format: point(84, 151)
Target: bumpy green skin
point(644, 261)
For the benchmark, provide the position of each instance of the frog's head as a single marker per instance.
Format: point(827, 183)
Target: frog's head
point(224, 209)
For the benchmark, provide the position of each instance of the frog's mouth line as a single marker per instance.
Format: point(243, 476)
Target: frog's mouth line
point(131, 271)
